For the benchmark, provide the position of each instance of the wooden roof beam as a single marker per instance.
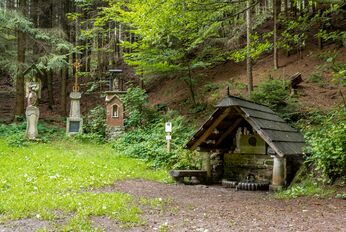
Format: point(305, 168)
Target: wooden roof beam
point(211, 128)
point(229, 131)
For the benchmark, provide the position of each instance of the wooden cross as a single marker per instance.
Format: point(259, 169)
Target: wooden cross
point(77, 66)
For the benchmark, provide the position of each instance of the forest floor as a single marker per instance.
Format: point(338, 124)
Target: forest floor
point(212, 208)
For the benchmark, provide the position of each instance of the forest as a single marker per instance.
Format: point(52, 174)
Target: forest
point(172, 61)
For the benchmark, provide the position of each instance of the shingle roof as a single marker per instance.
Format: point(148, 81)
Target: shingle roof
point(281, 137)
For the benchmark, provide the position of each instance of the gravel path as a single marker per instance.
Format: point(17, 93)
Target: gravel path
point(213, 209)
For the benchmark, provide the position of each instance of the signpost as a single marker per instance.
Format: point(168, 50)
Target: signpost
point(168, 129)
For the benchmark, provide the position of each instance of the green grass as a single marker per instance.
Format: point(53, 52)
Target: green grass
point(46, 180)
point(308, 188)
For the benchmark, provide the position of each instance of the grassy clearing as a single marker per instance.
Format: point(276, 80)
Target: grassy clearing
point(46, 180)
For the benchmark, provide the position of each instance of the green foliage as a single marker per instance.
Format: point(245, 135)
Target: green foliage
point(326, 144)
point(211, 87)
point(56, 49)
point(171, 36)
point(294, 36)
point(95, 121)
point(334, 36)
point(14, 134)
point(338, 69)
point(339, 73)
point(341, 196)
point(259, 45)
point(146, 137)
point(149, 144)
point(316, 78)
point(198, 108)
point(92, 138)
point(56, 180)
point(307, 187)
point(275, 94)
point(137, 114)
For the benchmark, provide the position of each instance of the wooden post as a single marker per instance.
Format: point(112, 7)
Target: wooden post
point(168, 129)
point(168, 138)
point(207, 166)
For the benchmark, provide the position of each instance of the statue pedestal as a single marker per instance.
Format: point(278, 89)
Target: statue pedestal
point(32, 114)
point(114, 131)
point(74, 121)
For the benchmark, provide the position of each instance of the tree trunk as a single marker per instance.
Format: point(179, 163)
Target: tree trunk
point(64, 74)
point(190, 84)
point(275, 16)
point(65, 6)
point(248, 43)
point(21, 48)
point(50, 89)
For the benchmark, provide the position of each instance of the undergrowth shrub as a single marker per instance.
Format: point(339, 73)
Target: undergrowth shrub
point(308, 187)
point(146, 138)
point(95, 121)
point(94, 126)
point(149, 144)
point(137, 111)
point(274, 93)
point(326, 144)
point(15, 133)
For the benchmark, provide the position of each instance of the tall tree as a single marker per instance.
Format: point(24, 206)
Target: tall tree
point(21, 48)
point(275, 33)
point(248, 44)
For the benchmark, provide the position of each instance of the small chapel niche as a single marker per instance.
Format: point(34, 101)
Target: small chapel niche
point(115, 111)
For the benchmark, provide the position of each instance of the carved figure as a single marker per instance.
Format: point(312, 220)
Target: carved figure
point(32, 96)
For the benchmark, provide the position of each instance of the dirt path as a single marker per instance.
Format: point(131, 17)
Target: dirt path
point(213, 209)
point(201, 208)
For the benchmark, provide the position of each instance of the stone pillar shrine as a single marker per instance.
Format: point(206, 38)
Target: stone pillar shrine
point(32, 113)
point(114, 105)
point(74, 123)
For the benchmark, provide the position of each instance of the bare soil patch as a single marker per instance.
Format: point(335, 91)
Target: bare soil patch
point(202, 208)
point(214, 208)
point(25, 225)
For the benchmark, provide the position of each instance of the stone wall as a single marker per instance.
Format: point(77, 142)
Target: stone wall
point(239, 166)
point(7, 103)
point(114, 131)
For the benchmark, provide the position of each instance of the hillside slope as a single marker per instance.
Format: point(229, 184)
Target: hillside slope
point(317, 92)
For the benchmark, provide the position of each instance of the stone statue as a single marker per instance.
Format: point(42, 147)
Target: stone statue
point(32, 96)
point(32, 113)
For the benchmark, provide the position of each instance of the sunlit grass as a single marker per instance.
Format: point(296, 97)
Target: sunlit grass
point(42, 179)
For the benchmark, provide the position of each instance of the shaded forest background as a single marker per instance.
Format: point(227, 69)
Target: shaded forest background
point(155, 41)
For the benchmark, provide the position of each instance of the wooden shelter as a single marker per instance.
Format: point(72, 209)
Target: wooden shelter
point(249, 139)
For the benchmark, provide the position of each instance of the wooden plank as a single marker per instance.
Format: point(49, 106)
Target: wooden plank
point(184, 173)
point(229, 131)
point(262, 115)
point(270, 125)
point(233, 101)
point(291, 148)
point(284, 136)
point(211, 128)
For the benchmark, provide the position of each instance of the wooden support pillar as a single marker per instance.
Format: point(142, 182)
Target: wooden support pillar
point(207, 166)
point(279, 173)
